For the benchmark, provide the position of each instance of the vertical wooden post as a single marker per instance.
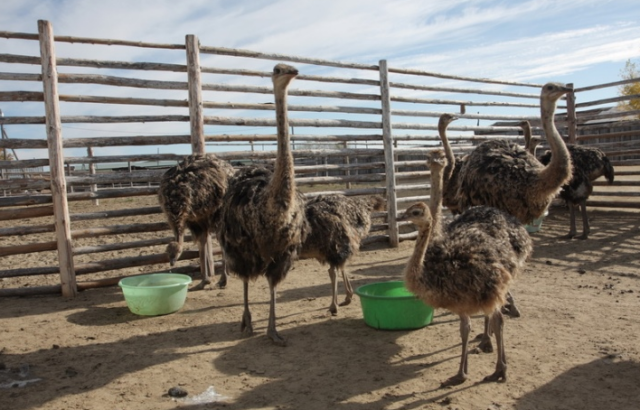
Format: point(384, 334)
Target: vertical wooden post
point(196, 114)
point(387, 140)
point(56, 159)
point(196, 118)
point(92, 171)
point(572, 122)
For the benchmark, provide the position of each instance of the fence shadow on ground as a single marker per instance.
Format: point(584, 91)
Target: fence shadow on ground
point(606, 383)
point(614, 240)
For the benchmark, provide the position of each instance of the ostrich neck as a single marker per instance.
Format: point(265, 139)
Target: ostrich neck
point(282, 184)
point(451, 160)
point(435, 203)
point(415, 266)
point(558, 171)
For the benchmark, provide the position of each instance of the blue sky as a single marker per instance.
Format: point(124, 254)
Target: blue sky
point(581, 41)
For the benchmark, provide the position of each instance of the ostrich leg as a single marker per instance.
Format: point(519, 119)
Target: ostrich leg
point(585, 220)
point(334, 289)
point(572, 222)
point(271, 328)
point(461, 376)
point(206, 263)
point(347, 287)
point(497, 325)
point(246, 326)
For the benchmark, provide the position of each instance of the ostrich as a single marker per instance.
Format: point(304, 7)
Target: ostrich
point(450, 200)
point(503, 175)
point(589, 163)
point(338, 225)
point(530, 143)
point(452, 170)
point(468, 267)
point(190, 195)
point(263, 222)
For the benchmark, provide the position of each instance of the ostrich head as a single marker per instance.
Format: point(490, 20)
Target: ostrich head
point(553, 91)
point(437, 160)
point(174, 250)
point(524, 124)
point(378, 203)
point(283, 74)
point(417, 213)
point(446, 119)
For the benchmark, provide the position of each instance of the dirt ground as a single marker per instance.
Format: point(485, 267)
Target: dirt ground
point(576, 345)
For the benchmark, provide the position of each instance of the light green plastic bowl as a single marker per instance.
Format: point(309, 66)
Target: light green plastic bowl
point(156, 293)
point(536, 224)
point(390, 306)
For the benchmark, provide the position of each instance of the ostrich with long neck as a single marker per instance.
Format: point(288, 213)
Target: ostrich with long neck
point(452, 170)
point(530, 143)
point(503, 175)
point(263, 216)
point(467, 267)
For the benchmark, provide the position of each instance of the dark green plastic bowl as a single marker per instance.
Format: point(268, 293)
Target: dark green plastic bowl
point(390, 306)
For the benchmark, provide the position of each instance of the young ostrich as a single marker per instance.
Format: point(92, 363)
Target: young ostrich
point(338, 225)
point(589, 164)
point(503, 175)
point(530, 143)
point(263, 221)
point(190, 195)
point(452, 170)
point(468, 267)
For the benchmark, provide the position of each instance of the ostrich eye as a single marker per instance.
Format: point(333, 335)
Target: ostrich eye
point(276, 71)
point(549, 87)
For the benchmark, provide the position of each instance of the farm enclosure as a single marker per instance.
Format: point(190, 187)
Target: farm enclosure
point(374, 145)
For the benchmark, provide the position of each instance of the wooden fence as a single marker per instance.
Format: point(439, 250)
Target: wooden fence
point(95, 207)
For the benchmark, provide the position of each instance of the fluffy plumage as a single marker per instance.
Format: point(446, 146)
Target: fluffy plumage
point(468, 266)
point(190, 194)
point(503, 175)
point(589, 164)
point(338, 225)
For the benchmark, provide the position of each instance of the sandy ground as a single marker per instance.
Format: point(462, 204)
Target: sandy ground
point(576, 345)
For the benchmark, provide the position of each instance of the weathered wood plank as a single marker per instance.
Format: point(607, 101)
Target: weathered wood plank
point(389, 157)
point(56, 159)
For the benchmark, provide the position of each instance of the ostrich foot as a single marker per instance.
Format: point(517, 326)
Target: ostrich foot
point(333, 309)
point(222, 283)
point(246, 327)
point(454, 381)
point(498, 375)
point(276, 338)
point(200, 286)
point(346, 302)
point(485, 345)
point(510, 310)
point(584, 236)
point(570, 235)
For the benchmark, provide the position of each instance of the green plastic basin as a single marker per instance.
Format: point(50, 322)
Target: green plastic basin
point(536, 224)
point(156, 293)
point(390, 306)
